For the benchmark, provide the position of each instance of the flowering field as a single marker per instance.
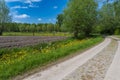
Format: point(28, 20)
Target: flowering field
point(19, 60)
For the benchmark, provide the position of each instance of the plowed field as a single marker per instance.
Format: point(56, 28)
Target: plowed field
point(20, 41)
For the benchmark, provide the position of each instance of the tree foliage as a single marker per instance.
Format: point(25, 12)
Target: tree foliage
point(80, 16)
point(86, 17)
point(25, 27)
point(110, 17)
point(4, 15)
point(107, 19)
point(60, 18)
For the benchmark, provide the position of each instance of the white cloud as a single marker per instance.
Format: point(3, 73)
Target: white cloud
point(52, 20)
point(19, 7)
point(17, 21)
point(55, 7)
point(31, 6)
point(22, 16)
point(13, 13)
point(31, 1)
point(11, 0)
point(17, 17)
point(49, 19)
point(36, 0)
point(28, 1)
point(24, 7)
point(25, 1)
point(39, 19)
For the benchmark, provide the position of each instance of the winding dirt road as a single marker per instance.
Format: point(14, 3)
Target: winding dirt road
point(87, 62)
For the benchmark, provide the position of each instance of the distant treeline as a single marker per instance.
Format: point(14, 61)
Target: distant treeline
point(24, 27)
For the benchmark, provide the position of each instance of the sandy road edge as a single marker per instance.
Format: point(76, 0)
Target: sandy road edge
point(113, 72)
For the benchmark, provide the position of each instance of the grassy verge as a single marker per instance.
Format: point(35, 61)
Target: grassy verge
point(19, 60)
point(118, 36)
point(36, 34)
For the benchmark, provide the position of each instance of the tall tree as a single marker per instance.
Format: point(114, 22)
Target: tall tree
point(107, 18)
point(80, 16)
point(117, 12)
point(4, 15)
point(32, 28)
point(60, 18)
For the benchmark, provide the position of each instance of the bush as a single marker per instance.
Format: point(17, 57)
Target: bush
point(117, 32)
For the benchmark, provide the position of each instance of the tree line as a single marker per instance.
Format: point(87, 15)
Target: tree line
point(86, 17)
point(6, 24)
point(25, 27)
point(81, 17)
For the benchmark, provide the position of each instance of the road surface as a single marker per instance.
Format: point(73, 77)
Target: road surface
point(61, 70)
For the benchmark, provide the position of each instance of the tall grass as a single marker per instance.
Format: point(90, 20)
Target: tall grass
point(36, 34)
point(21, 60)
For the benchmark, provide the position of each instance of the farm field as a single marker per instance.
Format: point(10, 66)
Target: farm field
point(17, 61)
point(37, 34)
point(20, 41)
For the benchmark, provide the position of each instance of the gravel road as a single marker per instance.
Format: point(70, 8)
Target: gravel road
point(113, 72)
point(92, 63)
point(96, 68)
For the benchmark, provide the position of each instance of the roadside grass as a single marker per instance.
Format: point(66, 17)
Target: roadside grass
point(36, 34)
point(16, 61)
point(118, 36)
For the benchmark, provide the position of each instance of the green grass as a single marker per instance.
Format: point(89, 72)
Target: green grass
point(118, 36)
point(19, 60)
point(36, 34)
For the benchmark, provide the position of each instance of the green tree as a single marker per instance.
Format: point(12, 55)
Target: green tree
point(39, 27)
point(80, 16)
point(44, 27)
point(27, 28)
point(4, 15)
point(60, 19)
point(107, 19)
point(50, 27)
point(21, 27)
point(117, 12)
point(117, 32)
point(32, 28)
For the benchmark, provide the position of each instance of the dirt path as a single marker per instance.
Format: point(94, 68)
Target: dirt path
point(114, 71)
point(96, 68)
point(60, 71)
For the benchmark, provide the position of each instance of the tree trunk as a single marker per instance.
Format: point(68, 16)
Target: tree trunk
point(33, 33)
point(1, 33)
point(76, 33)
point(1, 30)
point(87, 34)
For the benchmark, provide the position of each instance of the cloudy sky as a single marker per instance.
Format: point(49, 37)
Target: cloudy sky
point(36, 11)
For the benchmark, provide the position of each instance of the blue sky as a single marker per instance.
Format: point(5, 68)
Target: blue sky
point(36, 11)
